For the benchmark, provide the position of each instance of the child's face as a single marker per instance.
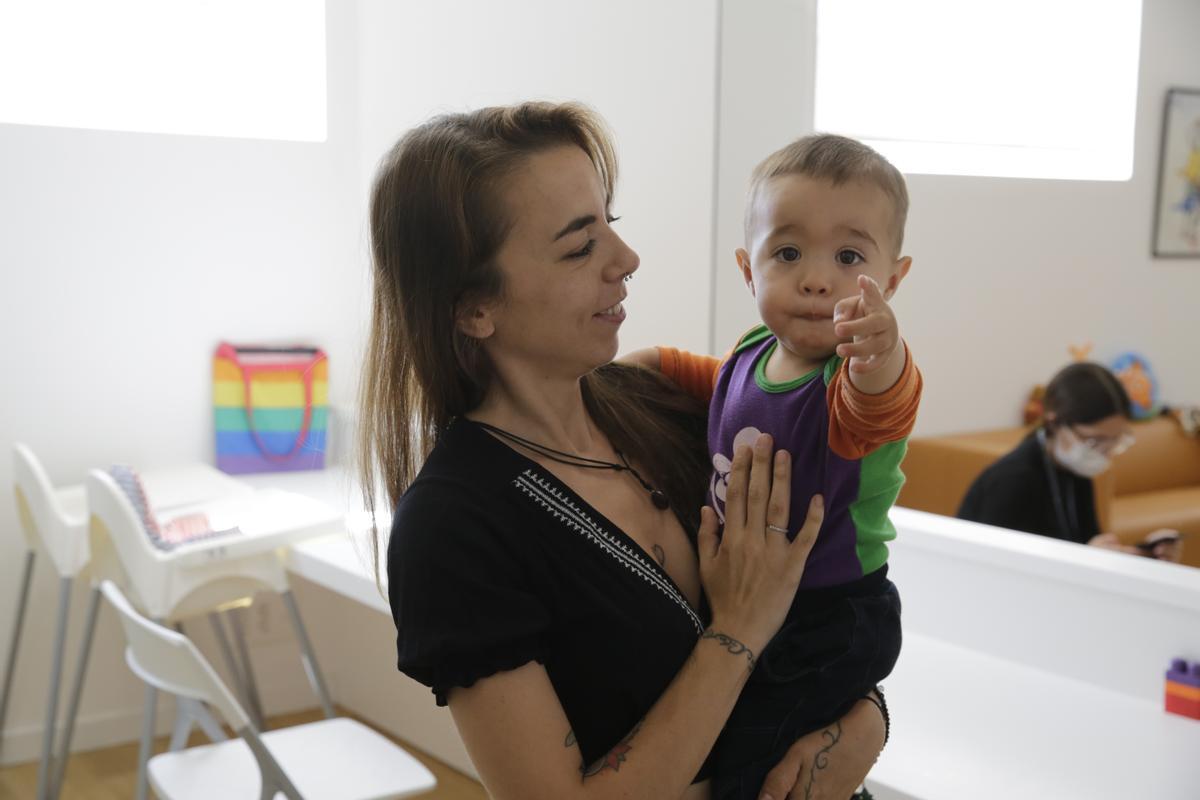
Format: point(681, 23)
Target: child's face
point(808, 242)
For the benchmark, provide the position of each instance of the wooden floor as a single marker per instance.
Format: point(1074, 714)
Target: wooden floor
point(110, 773)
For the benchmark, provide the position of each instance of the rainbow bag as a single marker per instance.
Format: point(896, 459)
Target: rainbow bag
point(270, 408)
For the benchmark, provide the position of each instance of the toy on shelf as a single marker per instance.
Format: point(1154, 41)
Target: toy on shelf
point(1134, 372)
point(1183, 688)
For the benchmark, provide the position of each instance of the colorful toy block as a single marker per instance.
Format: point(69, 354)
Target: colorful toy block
point(1183, 688)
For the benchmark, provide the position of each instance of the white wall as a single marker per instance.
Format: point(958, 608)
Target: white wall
point(125, 258)
point(1006, 273)
point(648, 68)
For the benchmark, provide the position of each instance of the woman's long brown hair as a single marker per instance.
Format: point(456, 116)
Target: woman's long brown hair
point(436, 226)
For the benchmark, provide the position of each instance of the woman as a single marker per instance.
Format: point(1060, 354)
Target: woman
point(1044, 486)
point(547, 551)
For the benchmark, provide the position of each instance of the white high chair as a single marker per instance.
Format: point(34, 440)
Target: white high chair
point(195, 578)
point(333, 759)
point(58, 517)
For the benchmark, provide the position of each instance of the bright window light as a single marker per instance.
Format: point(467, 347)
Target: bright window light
point(241, 68)
point(1011, 88)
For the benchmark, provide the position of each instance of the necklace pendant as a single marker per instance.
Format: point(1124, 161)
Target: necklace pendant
point(660, 500)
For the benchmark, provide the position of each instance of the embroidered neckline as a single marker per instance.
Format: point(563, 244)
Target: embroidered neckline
point(541, 491)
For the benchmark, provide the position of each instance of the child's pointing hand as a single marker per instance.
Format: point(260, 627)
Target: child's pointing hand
point(867, 321)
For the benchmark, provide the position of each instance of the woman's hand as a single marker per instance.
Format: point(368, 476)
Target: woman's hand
point(831, 763)
point(751, 572)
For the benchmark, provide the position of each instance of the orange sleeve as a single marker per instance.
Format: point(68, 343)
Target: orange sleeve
point(696, 375)
point(859, 422)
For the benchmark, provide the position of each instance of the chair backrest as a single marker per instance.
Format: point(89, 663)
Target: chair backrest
point(168, 660)
point(36, 504)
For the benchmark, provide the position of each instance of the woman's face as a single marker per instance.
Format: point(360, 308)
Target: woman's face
point(1110, 436)
point(563, 266)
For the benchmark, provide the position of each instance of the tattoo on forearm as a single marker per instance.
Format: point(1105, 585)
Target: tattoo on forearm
point(660, 554)
point(732, 645)
point(833, 734)
point(614, 758)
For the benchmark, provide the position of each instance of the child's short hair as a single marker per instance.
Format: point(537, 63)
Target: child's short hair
point(839, 160)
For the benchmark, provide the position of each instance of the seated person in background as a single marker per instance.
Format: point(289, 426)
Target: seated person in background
point(1044, 486)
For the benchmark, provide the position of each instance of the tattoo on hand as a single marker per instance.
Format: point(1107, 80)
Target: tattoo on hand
point(732, 645)
point(613, 758)
point(660, 554)
point(821, 761)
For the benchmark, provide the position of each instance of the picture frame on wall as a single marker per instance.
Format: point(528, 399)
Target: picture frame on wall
point(1177, 213)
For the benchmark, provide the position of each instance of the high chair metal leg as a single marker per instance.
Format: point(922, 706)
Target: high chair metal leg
point(85, 649)
point(147, 743)
point(308, 657)
point(235, 669)
point(18, 623)
point(239, 640)
point(45, 789)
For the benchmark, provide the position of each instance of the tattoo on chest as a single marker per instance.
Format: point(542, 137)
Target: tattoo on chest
point(660, 555)
point(832, 735)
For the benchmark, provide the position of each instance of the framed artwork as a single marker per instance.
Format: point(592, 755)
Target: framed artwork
point(1177, 215)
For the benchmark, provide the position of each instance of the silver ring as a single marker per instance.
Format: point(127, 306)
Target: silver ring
point(777, 529)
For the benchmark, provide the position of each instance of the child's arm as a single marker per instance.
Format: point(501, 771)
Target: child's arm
point(876, 354)
point(696, 375)
point(860, 423)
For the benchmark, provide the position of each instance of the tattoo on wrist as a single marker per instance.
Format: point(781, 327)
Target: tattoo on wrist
point(832, 735)
point(732, 645)
point(614, 758)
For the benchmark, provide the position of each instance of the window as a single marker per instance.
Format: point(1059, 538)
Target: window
point(1015, 88)
point(242, 68)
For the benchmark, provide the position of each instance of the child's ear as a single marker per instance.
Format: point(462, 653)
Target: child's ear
point(899, 272)
point(475, 320)
point(743, 260)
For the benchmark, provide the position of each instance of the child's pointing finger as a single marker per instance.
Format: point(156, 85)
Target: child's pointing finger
point(872, 295)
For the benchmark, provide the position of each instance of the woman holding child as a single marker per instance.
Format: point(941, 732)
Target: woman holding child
point(552, 575)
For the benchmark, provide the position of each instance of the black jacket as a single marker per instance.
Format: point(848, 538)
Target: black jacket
point(1026, 491)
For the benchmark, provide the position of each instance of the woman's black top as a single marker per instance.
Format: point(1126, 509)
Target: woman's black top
point(494, 563)
point(1026, 491)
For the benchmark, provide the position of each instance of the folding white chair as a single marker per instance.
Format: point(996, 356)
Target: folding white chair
point(332, 759)
point(58, 517)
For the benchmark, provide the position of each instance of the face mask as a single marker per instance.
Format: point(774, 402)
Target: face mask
point(1079, 458)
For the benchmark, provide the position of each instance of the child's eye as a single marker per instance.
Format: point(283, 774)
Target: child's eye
point(584, 251)
point(788, 254)
point(849, 258)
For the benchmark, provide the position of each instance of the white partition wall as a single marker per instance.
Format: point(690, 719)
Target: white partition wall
point(1035, 668)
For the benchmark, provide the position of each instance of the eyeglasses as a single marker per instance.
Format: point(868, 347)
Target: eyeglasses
point(1111, 446)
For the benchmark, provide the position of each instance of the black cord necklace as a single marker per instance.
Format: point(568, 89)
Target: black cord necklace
point(656, 495)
